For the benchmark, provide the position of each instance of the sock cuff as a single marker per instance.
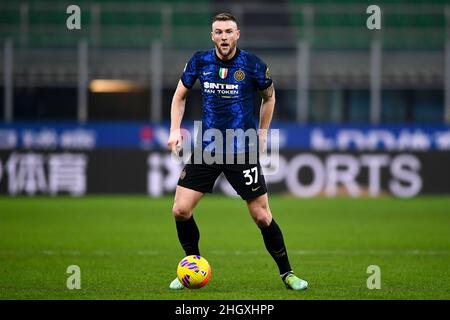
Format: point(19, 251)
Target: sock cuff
point(271, 228)
point(190, 220)
point(284, 275)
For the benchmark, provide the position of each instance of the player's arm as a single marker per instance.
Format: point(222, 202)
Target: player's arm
point(176, 115)
point(265, 116)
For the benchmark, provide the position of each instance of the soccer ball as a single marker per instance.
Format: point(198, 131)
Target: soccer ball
point(194, 272)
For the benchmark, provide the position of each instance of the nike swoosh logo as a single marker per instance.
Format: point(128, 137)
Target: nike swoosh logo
point(206, 73)
point(254, 189)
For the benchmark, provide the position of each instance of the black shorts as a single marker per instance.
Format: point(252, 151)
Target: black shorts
point(247, 179)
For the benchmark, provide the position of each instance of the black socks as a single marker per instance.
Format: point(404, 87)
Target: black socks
point(189, 236)
point(273, 239)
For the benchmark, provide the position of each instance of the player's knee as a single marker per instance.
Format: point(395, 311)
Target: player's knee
point(180, 213)
point(263, 221)
point(262, 217)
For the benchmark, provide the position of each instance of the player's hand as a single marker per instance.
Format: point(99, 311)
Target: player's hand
point(262, 140)
point(175, 140)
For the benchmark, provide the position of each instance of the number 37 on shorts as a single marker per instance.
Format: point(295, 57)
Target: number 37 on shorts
point(251, 175)
point(254, 184)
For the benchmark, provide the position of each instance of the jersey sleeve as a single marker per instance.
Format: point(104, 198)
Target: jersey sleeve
point(190, 72)
point(263, 78)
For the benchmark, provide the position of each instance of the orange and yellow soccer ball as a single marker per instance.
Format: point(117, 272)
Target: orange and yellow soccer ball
point(194, 272)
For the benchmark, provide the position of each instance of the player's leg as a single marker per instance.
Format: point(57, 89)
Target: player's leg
point(273, 239)
point(195, 180)
point(249, 183)
point(187, 230)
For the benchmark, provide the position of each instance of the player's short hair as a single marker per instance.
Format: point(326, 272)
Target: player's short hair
point(224, 17)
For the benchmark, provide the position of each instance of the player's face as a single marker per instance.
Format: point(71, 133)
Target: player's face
point(225, 35)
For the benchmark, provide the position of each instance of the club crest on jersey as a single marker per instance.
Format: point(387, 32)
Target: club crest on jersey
point(239, 75)
point(267, 74)
point(223, 72)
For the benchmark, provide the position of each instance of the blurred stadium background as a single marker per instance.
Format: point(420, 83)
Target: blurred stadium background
point(361, 113)
point(340, 87)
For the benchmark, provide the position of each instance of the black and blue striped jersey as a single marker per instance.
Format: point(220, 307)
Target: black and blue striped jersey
point(228, 89)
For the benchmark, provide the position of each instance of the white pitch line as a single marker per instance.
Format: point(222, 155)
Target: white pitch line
point(341, 252)
point(411, 252)
point(147, 252)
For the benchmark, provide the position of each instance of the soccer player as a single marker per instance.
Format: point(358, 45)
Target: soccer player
point(229, 78)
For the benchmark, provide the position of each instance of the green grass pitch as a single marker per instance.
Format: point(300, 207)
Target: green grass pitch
point(127, 248)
